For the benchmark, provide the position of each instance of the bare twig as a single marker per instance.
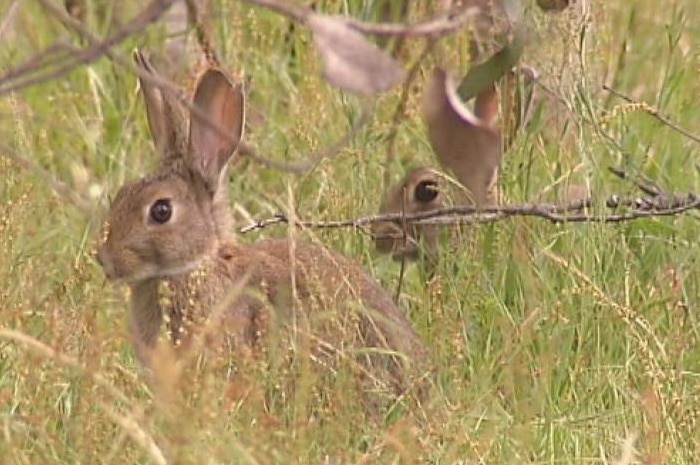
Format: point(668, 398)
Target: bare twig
point(653, 111)
point(150, 14)
point(574, 212)
point(643, 185)
point(439, 25)
point(169, 87)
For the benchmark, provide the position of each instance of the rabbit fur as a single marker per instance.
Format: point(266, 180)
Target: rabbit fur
point(169, 237)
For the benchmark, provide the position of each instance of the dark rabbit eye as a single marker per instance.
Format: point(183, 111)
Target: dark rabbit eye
point(426, 191)
point(161, 211)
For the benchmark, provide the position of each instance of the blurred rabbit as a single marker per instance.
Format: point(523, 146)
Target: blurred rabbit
point(467, 144)
point(169, 238)
point(418, 192)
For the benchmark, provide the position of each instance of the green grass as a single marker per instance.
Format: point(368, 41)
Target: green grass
point(552, 344)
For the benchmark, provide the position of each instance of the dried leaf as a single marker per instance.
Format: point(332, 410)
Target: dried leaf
point(351, 63)
point(463, 142)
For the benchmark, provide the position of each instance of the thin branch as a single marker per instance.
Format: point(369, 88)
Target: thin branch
point(574, 212)
point(642, 184)
point(285, 8)
point(442, 24)
point(439, 25)
point(653, 111)
point(169, 87)
point(150, 14)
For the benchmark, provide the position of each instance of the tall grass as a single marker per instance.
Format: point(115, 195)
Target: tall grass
point(552, 344)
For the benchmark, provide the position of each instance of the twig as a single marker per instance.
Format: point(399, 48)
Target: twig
point(642, 184)
point(653, 111)
point(169, 87)
point(639, 208)
point(439, 25)
point(150, 14)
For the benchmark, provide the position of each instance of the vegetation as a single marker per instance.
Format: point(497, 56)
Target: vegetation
point(551, 343)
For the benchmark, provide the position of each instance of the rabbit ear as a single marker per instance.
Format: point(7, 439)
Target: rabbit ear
point(165, 119)
point(217, 131)
point(486, 105)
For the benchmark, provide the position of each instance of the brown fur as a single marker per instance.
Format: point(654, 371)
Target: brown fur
point(389, 236)
point(190, 276)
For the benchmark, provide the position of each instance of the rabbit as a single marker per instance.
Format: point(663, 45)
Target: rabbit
point(168, 236)
point(418, 192)
point(467, 144)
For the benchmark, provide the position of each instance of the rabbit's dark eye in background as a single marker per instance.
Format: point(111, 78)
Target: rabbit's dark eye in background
point(161, 211)
point(426, 191)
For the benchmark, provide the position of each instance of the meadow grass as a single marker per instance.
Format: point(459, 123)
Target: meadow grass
point(574, 343)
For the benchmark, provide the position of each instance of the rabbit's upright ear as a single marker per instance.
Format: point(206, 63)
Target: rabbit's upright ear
point(216, 132)
point(164, 113)
point(486, 105)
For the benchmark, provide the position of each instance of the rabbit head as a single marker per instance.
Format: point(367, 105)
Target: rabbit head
point(418, 192)
point(166, 223)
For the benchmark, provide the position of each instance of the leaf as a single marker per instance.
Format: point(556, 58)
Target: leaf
point(352, 63)
point(482, 76)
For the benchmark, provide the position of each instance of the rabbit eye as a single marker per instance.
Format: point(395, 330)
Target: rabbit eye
point(426, 191)
point(161, 211)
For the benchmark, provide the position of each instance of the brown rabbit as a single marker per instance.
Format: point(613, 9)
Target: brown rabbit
point(418, 192)
point(169, 237)
point(467, 144)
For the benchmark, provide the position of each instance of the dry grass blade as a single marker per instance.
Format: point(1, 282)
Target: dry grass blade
point(128, 423)
point(6, 23)
point(42, 349)
point(59, 187)
point(136, 433)
point(653, 111)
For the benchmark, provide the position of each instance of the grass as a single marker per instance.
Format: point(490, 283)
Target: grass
point(552, 344)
